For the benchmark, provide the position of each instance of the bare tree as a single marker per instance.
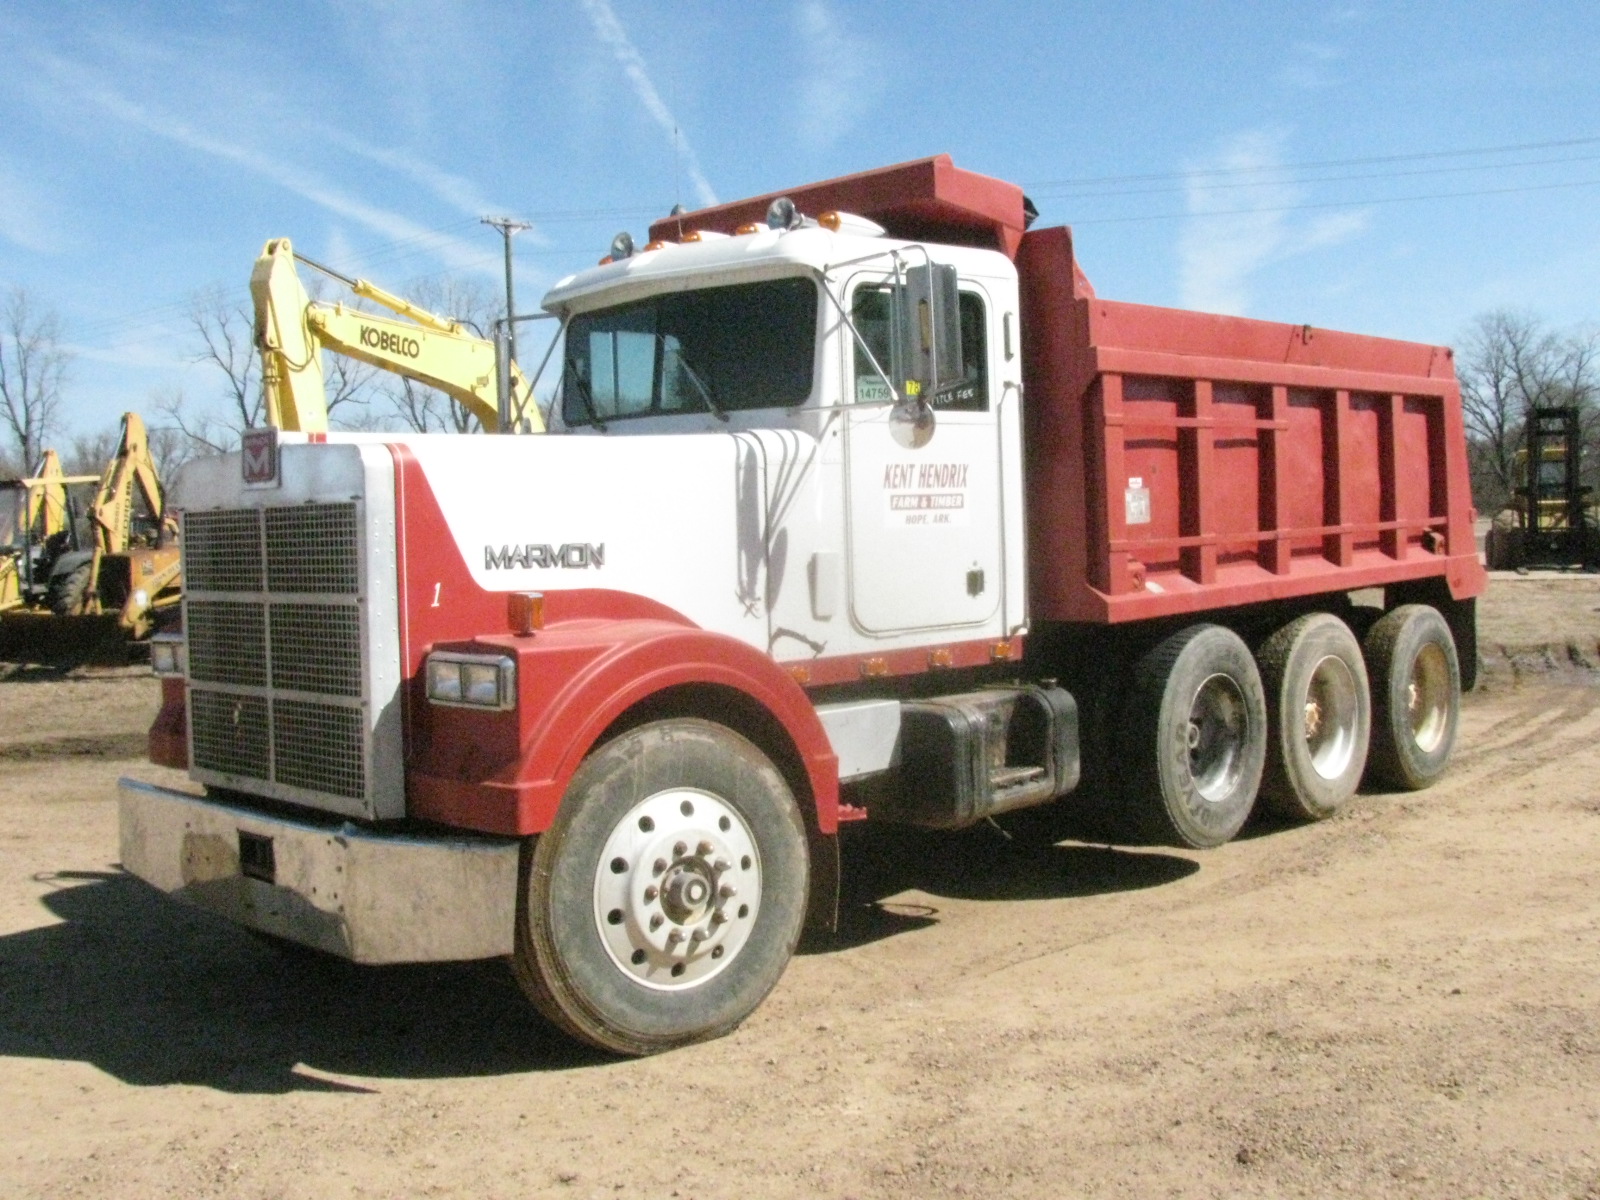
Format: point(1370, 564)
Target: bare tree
point(1509, 364)
point(91, 451)
point(33, 368)
point(224, 330)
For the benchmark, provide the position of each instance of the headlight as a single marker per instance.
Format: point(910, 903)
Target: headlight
point(472, 680)
point(167, 656)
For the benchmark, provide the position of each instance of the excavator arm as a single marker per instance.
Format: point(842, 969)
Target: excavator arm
point(292, 330)
point(130, 474)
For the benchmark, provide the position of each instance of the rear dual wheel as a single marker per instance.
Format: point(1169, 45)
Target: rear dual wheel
point(1319, 716)
point(1416, 697)
point(666, 899)
point(1194, 740)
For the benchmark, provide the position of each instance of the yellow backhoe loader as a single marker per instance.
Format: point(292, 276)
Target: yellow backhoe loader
point(91, 560)
point(291, 330)
point(38, 523)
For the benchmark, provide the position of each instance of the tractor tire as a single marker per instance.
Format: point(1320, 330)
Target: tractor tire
point(1319, 717)
point(1416, 697)
point(665, 901)
point(68, 591)
point(1195, 738)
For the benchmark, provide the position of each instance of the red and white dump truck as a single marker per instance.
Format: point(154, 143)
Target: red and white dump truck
point(856, 504)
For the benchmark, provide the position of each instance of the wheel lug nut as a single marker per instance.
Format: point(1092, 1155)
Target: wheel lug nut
point(720, 865)
point(704, 848)
point(674, 937)
point(699, 935)
point(719, 917)
point(650, 892)
point(727, 890)
point(659, 866)
point(655, 921)
point(679, 850)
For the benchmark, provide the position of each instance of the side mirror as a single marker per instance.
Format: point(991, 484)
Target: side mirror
point(927, 333)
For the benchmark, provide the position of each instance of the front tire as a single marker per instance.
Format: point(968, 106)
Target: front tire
point(1416, 697)
point(1319, 717)
point(665, 901)
point(1195, 737)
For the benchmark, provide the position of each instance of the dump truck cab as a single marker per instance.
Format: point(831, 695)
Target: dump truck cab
point(781, 339)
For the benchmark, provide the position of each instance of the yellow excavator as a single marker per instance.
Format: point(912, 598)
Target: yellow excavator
point(291, 330)
point(90, 561)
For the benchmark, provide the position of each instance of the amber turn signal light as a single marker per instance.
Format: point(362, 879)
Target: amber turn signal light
point(525, 612)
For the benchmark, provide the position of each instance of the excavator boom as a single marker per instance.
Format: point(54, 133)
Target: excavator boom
point(292, 330)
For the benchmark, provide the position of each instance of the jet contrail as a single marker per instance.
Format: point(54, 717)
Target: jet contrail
point(611, 32)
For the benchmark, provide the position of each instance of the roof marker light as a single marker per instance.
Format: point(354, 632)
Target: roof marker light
point(843, 222)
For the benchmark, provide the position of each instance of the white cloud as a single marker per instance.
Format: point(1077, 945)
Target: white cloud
point(610, 31)
point(840, 83)
point(24, 213)
point(86, 87)
point(1236, 231)
point(1309, 66)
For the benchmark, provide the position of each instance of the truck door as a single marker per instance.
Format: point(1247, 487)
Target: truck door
point(923, 522)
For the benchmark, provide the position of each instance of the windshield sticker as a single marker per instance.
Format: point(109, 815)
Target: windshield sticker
point(925, 494)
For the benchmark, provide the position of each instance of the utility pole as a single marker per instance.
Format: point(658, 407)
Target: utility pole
point(508, 228)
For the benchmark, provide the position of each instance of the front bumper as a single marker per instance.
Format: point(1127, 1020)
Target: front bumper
point(369, 897)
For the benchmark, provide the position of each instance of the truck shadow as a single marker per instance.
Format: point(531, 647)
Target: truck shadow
point(1025, 862)
point(155, 993)
point(152, 993)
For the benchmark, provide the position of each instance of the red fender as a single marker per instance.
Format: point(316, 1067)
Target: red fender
point(506, 772)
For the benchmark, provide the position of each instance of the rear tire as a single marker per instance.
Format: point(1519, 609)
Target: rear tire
point(1416, 697)
point(1319, 717)
point(665, 901)
point(1195, 737)
point(68, 590)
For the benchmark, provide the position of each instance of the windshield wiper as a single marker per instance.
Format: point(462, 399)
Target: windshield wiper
point(694, 376)
point(585, 395)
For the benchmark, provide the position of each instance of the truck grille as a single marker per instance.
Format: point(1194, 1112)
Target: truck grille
point(277, 653)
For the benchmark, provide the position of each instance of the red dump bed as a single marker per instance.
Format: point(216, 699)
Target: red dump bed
point(1181, 461)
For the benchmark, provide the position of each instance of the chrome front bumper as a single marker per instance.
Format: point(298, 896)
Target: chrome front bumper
point(369, 897)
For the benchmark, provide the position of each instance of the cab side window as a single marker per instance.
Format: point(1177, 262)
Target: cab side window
point(870, 311)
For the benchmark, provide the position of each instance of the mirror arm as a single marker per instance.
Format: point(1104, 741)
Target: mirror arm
point(822, 277)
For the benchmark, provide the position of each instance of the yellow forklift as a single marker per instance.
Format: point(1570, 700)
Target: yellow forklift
point(1551, 524)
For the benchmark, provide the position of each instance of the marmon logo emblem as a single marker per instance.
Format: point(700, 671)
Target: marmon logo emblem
point(258, 457)
point(575, 556)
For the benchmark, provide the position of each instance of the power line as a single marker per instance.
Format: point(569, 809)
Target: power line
point(1236, 212)
point(1311, 166)
point(1216, 187)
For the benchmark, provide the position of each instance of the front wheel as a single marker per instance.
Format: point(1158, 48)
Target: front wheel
point(665, 901)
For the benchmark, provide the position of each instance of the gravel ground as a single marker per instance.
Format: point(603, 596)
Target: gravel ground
point(1401, 1001)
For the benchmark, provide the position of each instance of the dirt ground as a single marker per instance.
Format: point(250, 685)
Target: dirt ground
point(1402, 1001)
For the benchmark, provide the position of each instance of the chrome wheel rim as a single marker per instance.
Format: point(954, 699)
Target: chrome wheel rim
point(1216, 735)
point(677, 889)
point(1331, 715)
point(1428, 697)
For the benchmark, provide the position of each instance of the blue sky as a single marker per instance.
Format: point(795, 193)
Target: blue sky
point(148, 151)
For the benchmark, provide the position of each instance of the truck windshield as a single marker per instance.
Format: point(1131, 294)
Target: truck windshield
point(723, 349)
